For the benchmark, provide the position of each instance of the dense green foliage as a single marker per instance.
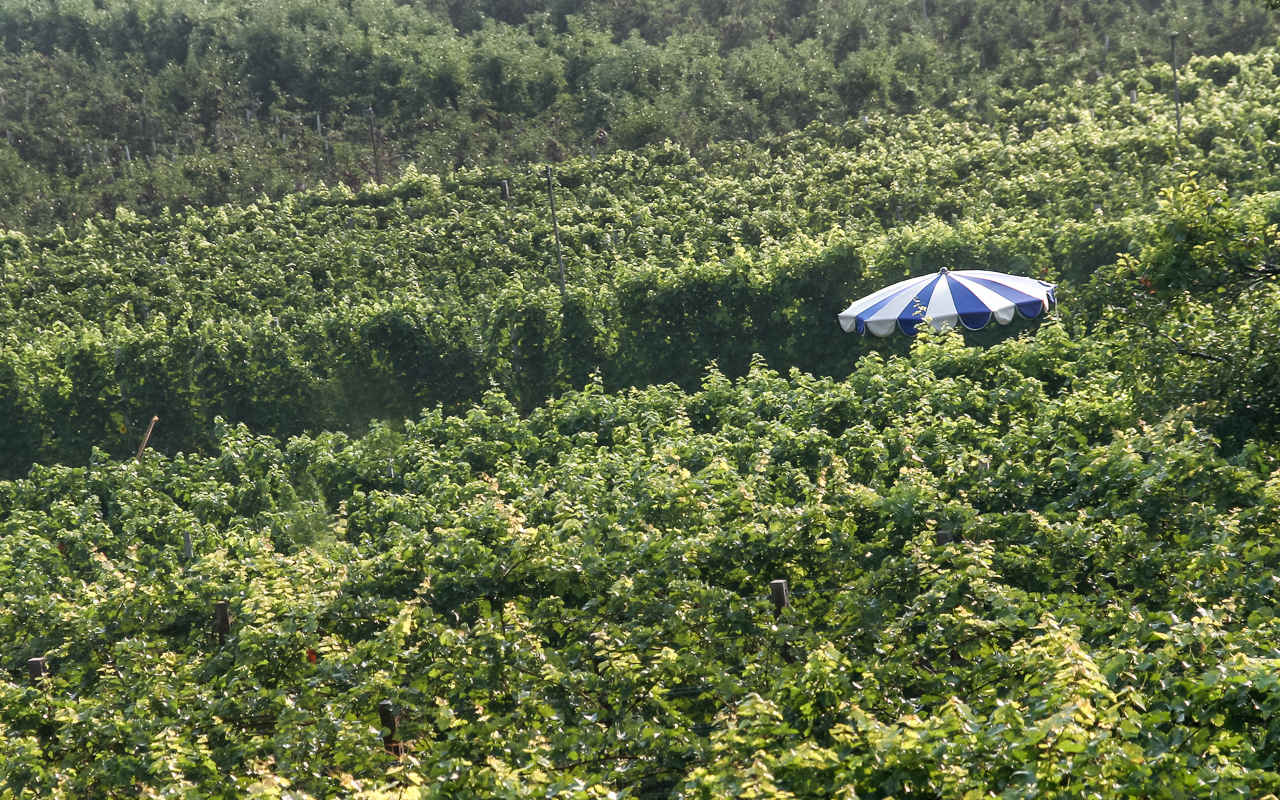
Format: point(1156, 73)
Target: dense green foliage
point(1004, 581)
point(154, 104)
point(330, 308)
point(1028, 562)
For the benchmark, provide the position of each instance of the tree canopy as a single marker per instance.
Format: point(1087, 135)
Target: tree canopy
point(155, 104)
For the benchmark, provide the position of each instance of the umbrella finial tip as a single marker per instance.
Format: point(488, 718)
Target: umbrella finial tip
point(942, 271)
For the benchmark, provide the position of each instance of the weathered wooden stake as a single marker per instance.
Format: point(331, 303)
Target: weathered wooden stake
point(146, 438)
point(780, 596)
point(37, 669)
point(506, 190)
point(1133, 96)
point(221, 621)
point(390, 722)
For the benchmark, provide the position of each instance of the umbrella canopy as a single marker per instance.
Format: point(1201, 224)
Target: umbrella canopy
point(971, 296)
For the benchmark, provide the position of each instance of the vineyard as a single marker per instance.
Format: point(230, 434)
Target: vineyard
point(1000, 578)
point(355, 306)
point(427, 514)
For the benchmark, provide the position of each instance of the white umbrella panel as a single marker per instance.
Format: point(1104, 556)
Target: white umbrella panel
point(971, 297)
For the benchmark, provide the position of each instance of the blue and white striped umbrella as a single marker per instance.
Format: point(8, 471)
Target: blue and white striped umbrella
point(971, 297)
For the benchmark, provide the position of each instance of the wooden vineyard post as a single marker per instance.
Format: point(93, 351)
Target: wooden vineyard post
point(390, 722)
point(780, 596)
point(37, 670)
point(221, 621)
point(146, 438)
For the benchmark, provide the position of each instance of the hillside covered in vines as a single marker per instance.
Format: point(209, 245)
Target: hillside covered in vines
point(423, 513)
point(332, 308)
point(1002, 581)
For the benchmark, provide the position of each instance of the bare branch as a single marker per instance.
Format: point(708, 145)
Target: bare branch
point(1180, 348)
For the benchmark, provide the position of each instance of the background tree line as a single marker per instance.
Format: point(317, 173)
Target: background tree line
point(151, 105)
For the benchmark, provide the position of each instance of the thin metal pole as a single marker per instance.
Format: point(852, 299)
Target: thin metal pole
point(377, 168)
point(1177, 98)
point(556, 225)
